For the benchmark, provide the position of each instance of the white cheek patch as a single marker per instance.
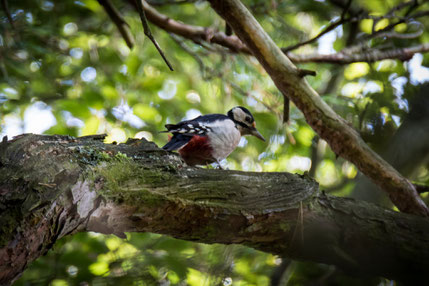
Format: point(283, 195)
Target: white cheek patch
point(239, 114)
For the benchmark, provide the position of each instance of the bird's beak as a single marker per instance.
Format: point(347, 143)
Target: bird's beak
point(256, 133)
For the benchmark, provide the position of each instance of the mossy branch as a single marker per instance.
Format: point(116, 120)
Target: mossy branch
point(53, 186)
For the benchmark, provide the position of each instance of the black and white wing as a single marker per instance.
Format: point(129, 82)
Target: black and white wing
point(185, 130)
point(189, 128)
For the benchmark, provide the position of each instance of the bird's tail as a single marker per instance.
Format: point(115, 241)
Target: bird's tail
point(169, 128)
point(177, 141)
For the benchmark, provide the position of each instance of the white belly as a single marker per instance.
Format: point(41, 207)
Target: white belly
point(224, 138)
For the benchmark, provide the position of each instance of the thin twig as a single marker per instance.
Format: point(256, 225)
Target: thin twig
point(148, 32)
point(7, 12)
point(187, 49)
point(247, 94)
point(393, 34)
point(329, 28)
point(387, 33)
point(119, 21)
point(204, 70)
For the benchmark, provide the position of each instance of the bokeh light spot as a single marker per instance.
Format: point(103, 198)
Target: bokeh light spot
point(88, 74)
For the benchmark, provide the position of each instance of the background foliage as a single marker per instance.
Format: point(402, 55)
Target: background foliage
point(65, 69)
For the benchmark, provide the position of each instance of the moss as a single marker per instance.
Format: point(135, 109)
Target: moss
point(92, 155)
point(119, 156)
point(104, 156)
point(125, 181)
point(285, 227)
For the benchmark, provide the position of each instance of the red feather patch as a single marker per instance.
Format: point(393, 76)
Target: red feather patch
point(197, 151)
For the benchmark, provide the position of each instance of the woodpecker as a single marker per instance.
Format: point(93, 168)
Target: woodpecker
point(211, 138)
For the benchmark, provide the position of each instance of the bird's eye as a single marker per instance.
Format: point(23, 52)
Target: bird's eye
point(248, 119)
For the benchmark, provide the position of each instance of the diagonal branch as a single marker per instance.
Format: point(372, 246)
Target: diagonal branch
point(119, 21)
point(342, 138)
point(148, 32)
point(329, 28)
point(195, 33)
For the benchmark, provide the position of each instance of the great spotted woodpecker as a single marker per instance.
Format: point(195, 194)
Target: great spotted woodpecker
point(212, 137)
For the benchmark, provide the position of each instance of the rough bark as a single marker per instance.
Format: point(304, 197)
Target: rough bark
point(341, 137)
point(52, 186)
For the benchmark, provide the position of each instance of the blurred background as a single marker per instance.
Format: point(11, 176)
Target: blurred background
point(66, 69)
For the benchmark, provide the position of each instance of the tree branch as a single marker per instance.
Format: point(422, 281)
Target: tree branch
point(195, 33)
point(119, 21)
point(348, 56)
point(342, 138)
point(385, 31)
point(52, 186)
point(148, 32)
point(233, 43)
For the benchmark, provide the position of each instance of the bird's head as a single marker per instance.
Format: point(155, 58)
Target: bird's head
point(244, 121)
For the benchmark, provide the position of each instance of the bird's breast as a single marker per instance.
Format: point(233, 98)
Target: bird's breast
point(224, 139)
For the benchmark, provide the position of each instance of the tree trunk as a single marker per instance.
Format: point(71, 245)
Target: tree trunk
point(52, 186)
